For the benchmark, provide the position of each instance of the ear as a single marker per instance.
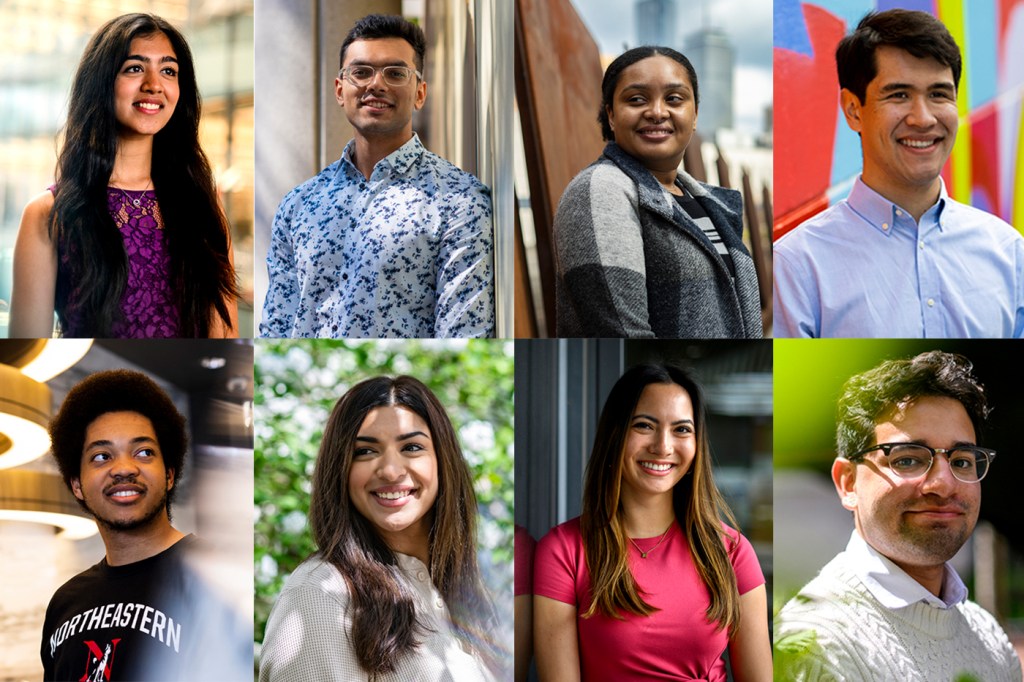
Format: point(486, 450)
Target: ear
point(170, 478)
point(421, 95)
point(851, 106)
point(76, 488)
point(610, 113)
point(844, 476)
point(339, 87)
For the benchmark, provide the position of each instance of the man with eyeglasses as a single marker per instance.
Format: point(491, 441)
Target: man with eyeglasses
point(391, 240)
point(899, 257)
point(909, 467)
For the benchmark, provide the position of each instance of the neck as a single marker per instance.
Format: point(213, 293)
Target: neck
point(930, 577)
point(370, 150)
point(414, 542)
point(647, 516)
point(129, 546)
point(667, 179)
point(914, 200)
point(133, 163)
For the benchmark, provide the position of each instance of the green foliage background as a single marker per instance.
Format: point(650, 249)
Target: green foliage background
point(297, 384)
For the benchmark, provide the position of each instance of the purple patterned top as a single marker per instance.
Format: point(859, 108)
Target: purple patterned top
point(148, 310)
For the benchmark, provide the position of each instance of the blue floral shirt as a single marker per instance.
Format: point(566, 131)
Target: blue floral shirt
point(405, 254)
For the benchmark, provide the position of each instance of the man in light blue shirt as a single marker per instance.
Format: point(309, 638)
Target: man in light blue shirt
point(390, 241)
point(899, 257)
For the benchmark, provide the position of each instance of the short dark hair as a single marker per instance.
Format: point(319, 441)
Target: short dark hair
point(873, 396)
point(117, 390)
point(624, 61)
point(919, 33)
point(374, 26)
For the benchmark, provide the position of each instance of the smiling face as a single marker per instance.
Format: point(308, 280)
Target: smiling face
point(123, 481)
point(653, 113)
point(380, 111)
point(146, 87)
point(661, 442)
point(920, 522)
point(907, 124)
point(393, 478)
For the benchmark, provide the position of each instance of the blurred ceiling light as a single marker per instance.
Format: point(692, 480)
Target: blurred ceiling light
point(35, 497)
point(213, 363)
point(55, 356)
point(24, 415)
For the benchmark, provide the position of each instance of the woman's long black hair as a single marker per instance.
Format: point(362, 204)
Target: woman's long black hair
point(94, 264)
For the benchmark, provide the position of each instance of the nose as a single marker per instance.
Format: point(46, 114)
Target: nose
point(151, 81)
point(921, 115)
point(124, 466)
point(940, 479)
point(390, 467)
point(661, 443)
point(377, 80)
point(656, 110)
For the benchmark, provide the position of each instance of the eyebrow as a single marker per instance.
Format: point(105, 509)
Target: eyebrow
point(648, 86)
point(141, 58)
point(363, 62)
point(941, 85)
point(109, 443)
point(404, 436)
point(655, 419)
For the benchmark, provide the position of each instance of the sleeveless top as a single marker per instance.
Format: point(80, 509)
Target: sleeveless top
point(148, 309)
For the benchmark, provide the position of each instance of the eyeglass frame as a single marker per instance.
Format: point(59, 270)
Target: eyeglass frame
point(344, 75)
point(886, 448)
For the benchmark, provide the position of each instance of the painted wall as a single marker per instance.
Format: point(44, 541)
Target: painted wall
point(817, 156)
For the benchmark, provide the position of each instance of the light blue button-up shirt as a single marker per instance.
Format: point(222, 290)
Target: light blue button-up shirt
point(865, 268)
point(405, 254)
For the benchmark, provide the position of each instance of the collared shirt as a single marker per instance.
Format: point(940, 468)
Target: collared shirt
point(865, 268)
point(892, 586)
point(405, 254)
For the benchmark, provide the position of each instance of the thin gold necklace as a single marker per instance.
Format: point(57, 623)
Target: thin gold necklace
point(643, 554)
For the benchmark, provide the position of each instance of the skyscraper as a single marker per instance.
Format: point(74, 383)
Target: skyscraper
point(656, 22)
point(713, 58)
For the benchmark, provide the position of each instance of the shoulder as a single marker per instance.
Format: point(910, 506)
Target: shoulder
point(731, 199)
point(601, 186)
point(744, 560)
point(449, 176)
point(77, 587)
point(563, 537)
point(982, 623)
point(36, 216)
point(982, 222)
point(316, 185)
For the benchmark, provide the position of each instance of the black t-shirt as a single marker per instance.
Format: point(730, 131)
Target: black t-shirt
point(700, 216)
point(149, 620)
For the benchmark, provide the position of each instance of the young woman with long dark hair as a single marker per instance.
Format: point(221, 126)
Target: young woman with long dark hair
point(650, 583)
point(131, 241)
point(393, 592)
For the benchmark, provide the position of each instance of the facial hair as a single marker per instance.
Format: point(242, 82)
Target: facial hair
point(133, 523)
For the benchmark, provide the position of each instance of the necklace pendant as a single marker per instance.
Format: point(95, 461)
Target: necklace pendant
point(137, 202)
point(643, 555)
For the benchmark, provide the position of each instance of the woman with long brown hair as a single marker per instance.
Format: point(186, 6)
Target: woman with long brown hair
point(393, 592)
point(650, 583)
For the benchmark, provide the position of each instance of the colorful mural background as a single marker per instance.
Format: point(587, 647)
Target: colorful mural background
point(817, 156)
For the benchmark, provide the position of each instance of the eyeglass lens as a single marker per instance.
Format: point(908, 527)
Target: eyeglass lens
point(393, 75)
point(912, 460)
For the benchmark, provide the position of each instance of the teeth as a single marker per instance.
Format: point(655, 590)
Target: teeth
point(377, 105)
point(655, 467)
point(394, 496)
point(148, 106)
point(917, 144)
point(124, 493)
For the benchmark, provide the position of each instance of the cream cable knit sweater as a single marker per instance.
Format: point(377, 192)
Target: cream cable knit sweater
point(834, 629)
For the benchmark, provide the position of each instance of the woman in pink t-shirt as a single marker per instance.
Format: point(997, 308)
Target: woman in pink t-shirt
point(649, 583)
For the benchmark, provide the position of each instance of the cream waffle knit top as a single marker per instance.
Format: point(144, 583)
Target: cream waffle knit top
point(835, 629)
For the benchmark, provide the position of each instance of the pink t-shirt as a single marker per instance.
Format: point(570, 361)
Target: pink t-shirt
point(524, 547)
point(675, 643)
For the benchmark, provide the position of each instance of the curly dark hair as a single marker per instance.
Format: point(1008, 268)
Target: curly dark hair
point(624, 61)
point(117, 390)
point(919, 33)
point(374, 26)
point(871, 397)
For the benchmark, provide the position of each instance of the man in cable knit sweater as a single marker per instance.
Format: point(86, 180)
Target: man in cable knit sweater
point(891, 607)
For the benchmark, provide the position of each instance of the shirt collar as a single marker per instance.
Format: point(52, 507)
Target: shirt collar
point(892, 586)
point(883, 214)
point(399, 161)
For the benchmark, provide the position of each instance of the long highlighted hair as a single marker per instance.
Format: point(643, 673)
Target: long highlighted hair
point(700, 508)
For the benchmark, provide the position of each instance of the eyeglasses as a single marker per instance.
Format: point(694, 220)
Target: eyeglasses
point(968, 463)
point(362, 75)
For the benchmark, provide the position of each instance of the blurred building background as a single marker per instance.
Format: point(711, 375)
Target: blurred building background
point(42, 44)
point(46, 538)
point(563, 385)
point(562, 49)
point(467, 118)
point(811, 525)
point(821, 156)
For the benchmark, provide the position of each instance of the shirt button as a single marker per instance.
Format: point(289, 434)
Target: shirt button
point(885, 226)
point(344, 275)
point(931, 302)
point(421, 575)
point(439, 603)
point(920, 245)
point(899, 212)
